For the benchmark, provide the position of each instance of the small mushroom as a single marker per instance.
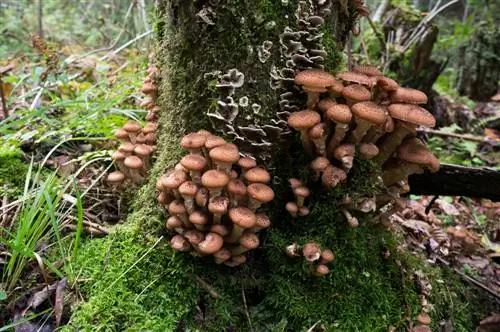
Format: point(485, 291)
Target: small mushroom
point(366, 115)
point(292, 208)
point(214, 181)
point(259, 194)
point(368, 151)
point(134, 165)
point(262, 221)
point(332, 176)
point(302, 121)
point(303, 211)
point(195, 164)
point(318, 135)
point(116, 179)
point(224, 156)
point(341, 116)
point(177, 209)
point(358, 78)
point(352, 221)
point(246, 163)
point(143, 151)
point(219, 229)
point(367, 70)
point(237, 191)
point(211, 244)
point(133, 129)
point(122, 135)
point(193, 143)
point(119, 158)
point(188, 191)
point(318, 165)
point(375, 132)
point(424, 319)
point(345, 154)
point(201, 197)
point(194, 237)
point(294, 183)
point(257, 175)
point(327, 256)
point(311, 251)
point(176, 224)
point(178, 243)
point(172, 181)
point(301, 194)
point(321, 270)
point(214, 141)
point(222, 255)
point(218, 207)
point(242, 218)
point(356, 93)
point(248, 241)
point(292, 250)
point(314, 82)
point(236, 261)
point(407, 95)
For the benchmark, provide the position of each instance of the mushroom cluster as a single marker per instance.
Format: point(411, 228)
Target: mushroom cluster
point(213, 197)
point(132, 158)
point(362, 113)
point(301, 192)
point(317, 258)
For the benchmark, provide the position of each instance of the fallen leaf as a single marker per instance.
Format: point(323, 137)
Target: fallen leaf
point(447, 208)
point(59, 302)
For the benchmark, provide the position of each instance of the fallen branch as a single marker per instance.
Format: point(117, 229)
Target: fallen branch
point(467, 137)
point(210, 290)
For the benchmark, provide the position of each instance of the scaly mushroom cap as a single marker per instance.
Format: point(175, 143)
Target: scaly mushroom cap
point(150, 127)
point(358, 78)
point(243, 217)
point(294, 183)
point(311, 251)
point(227, 153)
point(174, 222)
point(314, 79)
point(213, 141)
point(188, 188)
point(260, 192)
point(148, 88)
point(118, 156)
point(414, 151)
point(407, 95)
point(178, 243)
point(194, 237)
point(370, 112)
point(214, 179)
point(236, 187)
point(257, 175)
point(344, 150)
point(126, 148)
point(424, 319)
point(204, 132)
point(193, 141)
point(219, 229)
point(318, 131)
point(292, 207)
point(198, 218)
point(322, 270)
point(336, 87)
point(412, 113)
point(121, 134)
point(356, 93)
point(201, 197)
point(387, 84)
point(304, 119)
point(115, 177)
point(218, 205)
point(176, 207)
point(173, 180)
point(132, 126)
point(262, 221)
point(249, 240)
point(302, 191)
point(367, 70)
point(247, 162)
point(332, 176)
point(142, 150)
point(327, 256)
point(222, 255)
point(319, 164)
point(194, 162)
point(368, 150)
point(212, 243)
point(339, 113)
point(133, 162)
point(325, 104)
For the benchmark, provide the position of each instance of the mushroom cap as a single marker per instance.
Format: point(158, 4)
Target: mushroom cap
point(193, 141)
point(414, 151)
point(318, 131)
point(249, 240)
point(292, 207)
point(325, 104)
point(304, 119)
point(344, 150)
point(408, 95)
point(412, 113)
point(301, 191)
point(314, 78)
point(174, 222)
point(218, 205)
point(151, 139)
point(219, 229)
point(356, 92)
point(213, 242)
point(336, 87)
point(247, 162)
point(424, 319)
point(150, 127)
point(327, 256)
point(118, 156)
point(236, 187)
point(121, 134)
point(339, 113)
point(198, 218)
point(132, 126)
point(223, 254)
point(236, 260)
point(176, 207)
point(294, 183)
point(311, 251)
point(194, 237)
point(320, 163)
point(387, 84)
point(213, 179)
point(367, 70)
point(188, 188)
point(142, 150)
point(233, 175)
point(368, 150)
point(148, 88)
point(358, 78)
point(115, 177)
point(126, 147)
point(257, 175)
point(262, 220)
point(260, 192)
point(133, 162)
point(194, 162)
point(173, 180)
point(226, 153)
point(370, 112)
point(303, 211)
point(204, 132)
point(201, 197)
point(178, 243)
point(332, 176)
point(389, 124)
point(213, 141)
point(322, 270)
point(243, 217)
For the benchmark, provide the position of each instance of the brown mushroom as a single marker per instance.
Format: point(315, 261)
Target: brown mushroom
point(116, 179)
point(345, 154)
point(301, 194)
point(195, 164)
point(133, 129)
point(262, 221)
point(214, 181)
point(177, 209)
point(368, 151)
point(257, 175)
point(358, 78)
point(407, 95)
point(237, 191)
point(224, 156)
point(318, 135)
point(292, 250)
point(218, 207)
point(327, 256)
point(321, 270)
point(424, 319)
point(194, 237)
point(143, 151)
point(367, 70)
point(248, 241)
point(311, 252)
point(366, 115)
point(294, 183)
point(201, 197)
point(219, 229)
point(303, 211)
point(213, 141)
point(122, 135)
point(302, 121)
point(178, 243)
point(242, 218)
point(176, 224)
point(259, 194)
point(211, 244)
point(292, 208)
point(352, 221)
point(135, 166)
point(314, 82)
point(341, 115)
point(236, 261)
point(171, 182)
point(356, 93)
point(222, 255)
point(245, 164)
point(318, 165)
point(127, 148)
point(119, 158)
point(193, 143)
point(332, 176)
point(375, 132)
point(188, 191)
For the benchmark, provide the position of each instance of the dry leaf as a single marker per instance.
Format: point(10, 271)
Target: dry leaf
point(59, 301)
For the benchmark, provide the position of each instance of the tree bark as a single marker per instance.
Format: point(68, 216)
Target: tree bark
point(452, 180)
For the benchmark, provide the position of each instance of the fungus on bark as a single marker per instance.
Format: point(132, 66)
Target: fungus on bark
point(258, 194)
point(355, 93)
point(302, 121)
point(248, 241)
point(366, 115)
point(318, 165)
point(224, 156)
point(314, 82)
point(242, 218)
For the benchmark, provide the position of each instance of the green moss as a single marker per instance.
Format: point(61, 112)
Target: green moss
point(13, 170)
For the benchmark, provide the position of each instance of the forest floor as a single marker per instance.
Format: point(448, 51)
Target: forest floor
point(70, 255)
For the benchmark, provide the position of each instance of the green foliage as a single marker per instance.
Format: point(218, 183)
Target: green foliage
point(12, 171)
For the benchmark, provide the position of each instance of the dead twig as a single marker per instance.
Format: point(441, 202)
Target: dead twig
point(247, 314)
point(467, 137)
point(314, 325)
point(206, 286)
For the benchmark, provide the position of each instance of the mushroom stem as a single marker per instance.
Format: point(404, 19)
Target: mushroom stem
point(337, 137)
point(312, 99)
point(393, 140)
point(360, 131)
point(236, 233)
point(352, 221)
point(306, 142)
point(400, 172)
point(135, 175)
